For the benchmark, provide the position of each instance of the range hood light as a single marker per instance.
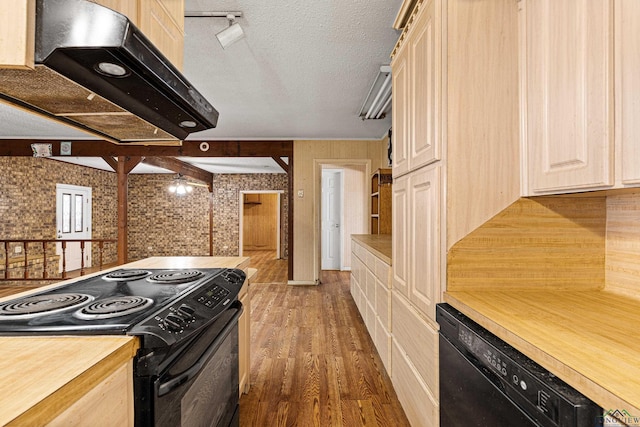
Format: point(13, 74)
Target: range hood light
point(188, 124)
point(111, 69)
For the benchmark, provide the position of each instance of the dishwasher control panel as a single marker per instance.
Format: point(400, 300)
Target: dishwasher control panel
point(525, 382)
point(518, 375)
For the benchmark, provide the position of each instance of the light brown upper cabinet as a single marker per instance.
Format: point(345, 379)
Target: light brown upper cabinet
point(627, 92)
point(17, 34)
point(162, 21)
point(567, 53)
point(126, 7)
point(416, 111)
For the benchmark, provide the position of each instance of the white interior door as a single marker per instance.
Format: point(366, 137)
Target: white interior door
point(331, 228)
point(73, 220)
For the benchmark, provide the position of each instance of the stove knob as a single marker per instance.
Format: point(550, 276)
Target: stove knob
point(173, 322)
point(186, 312)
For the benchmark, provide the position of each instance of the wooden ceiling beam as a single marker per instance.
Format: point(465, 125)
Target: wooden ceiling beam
point(182, 168)
point(98, 148)
point(281, 163)
point(113, 163)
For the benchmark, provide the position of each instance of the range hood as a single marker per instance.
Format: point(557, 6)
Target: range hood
point(94, 70)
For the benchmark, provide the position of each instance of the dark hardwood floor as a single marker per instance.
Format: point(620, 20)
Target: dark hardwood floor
point(312, 360)
point(270, 269)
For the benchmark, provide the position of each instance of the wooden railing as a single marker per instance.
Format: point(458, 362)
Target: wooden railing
point(42, 249)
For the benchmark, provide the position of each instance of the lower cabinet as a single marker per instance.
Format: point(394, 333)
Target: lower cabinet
point(371, 291)
point(405, 337)
point(244, 335)
point(417, 339)
point(110, 403)
point(417, 401)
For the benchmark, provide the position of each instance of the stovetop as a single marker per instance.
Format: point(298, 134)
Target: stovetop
point(116, 302)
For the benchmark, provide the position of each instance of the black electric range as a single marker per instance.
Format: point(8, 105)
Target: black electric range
point(165, 304)
point(185, 372)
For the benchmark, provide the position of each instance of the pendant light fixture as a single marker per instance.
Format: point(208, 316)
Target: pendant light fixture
point(180, 186)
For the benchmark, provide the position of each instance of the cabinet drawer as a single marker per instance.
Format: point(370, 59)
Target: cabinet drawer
point(417, 338)
point(370, 261)
point(355, 289)
point(356, 268)
point(383, 272)
point(383, 304)
point(358, 250)
point(370, 286)
point(382, 341)
point(370, 319)
point(418, 403)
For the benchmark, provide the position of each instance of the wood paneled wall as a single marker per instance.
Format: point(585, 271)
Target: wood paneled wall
point(623, 244)
point(547, 242)
point(309, 156)
point(260, 223)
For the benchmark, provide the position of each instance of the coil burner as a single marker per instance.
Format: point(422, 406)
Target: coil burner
point(113, 307)
point(40, 305)
point(125, 275)
point(175, 277)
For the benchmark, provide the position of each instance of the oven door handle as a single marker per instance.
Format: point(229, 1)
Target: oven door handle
point(190, 373)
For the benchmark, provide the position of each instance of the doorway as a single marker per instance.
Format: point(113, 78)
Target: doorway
point(331, 219)
point(354, 218)
point(260, 217)
point(73, 222)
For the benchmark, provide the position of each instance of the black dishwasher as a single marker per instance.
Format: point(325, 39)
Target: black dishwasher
point(485, 382)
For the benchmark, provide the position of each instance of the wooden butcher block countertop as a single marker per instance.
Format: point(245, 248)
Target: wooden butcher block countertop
point(590, 339)
point(42, 376)
point(41, 373)
point(190, 262)
point(378, 244)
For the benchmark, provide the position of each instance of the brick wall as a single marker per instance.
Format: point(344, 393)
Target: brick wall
point(165, 224)
point(28, 201)
point(160, 223)
point(226, 208)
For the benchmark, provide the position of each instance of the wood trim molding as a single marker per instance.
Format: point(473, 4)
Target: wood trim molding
point(290, 218)
point(98, 148)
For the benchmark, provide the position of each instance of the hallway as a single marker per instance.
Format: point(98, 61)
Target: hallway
point(312, 360)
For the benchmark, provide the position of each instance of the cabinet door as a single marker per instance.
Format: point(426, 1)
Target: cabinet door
point(400, 242)
point(159, 26)
point(17, 29)
point(400, 108)
point(424, 239)
point(627, 53)
point(569, 91)
point(126, 7)
point(425, 70)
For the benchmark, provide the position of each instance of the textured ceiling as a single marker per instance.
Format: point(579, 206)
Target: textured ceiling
point(301, 72)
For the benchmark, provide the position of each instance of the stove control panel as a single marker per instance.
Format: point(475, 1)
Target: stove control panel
point(194, 309)
point(213, 296)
